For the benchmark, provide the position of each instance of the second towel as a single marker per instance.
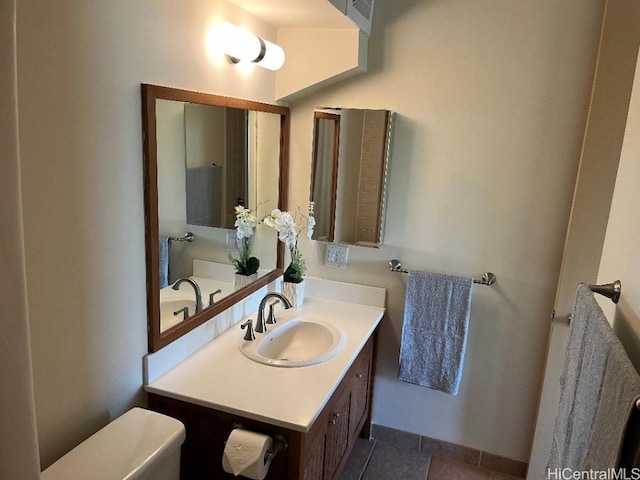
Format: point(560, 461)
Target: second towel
point(434, 332)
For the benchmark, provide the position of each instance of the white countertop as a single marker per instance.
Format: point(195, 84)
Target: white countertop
point(219, 376)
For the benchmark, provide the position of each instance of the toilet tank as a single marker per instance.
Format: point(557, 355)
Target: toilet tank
point(139, 445)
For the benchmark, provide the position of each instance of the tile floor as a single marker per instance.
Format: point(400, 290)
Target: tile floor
point(393, 458)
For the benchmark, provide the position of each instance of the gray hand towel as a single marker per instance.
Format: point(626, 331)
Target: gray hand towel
point(620, 389)
point(163, 254)
point(590, 340)
point(434, 332)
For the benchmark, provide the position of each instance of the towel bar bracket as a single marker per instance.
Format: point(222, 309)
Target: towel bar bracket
point(488, 278)
point(396, 266)
point(609, 290)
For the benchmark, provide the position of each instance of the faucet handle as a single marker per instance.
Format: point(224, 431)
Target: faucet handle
point(249, 335)
point(212, 294)
point(271, 319)
point(184, 311)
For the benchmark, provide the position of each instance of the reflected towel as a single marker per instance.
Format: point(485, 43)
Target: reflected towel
point(204, 196)
point(581, 383)
point(434, 332)
point(163, 255)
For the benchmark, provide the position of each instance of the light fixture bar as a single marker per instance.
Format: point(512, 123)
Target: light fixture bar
point(243, 46)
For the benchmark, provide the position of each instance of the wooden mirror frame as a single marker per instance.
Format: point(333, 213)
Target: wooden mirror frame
point(317, 116)
point(151, 93)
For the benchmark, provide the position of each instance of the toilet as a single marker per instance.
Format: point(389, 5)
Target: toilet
point(139, 445)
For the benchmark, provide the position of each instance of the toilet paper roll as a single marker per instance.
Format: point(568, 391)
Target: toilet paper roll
point(244, 454)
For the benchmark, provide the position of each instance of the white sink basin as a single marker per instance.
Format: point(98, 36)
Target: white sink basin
point(168, 307)
point(297, 343)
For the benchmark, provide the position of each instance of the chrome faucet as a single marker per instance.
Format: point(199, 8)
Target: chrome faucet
point(261, 326)
point(196, 288)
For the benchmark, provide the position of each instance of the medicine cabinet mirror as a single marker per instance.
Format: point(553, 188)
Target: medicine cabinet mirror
point(350, 158)
point(203, 155)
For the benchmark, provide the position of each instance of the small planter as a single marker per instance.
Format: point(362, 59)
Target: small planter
point(240, 281)
point(294, 292)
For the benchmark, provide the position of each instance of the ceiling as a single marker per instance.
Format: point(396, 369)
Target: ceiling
point(296, 13)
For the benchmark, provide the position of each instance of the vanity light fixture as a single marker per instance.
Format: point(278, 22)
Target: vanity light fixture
point(240, 45)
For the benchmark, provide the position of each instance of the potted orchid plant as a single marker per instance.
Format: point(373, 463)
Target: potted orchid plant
point(246, 265)
point(286, 224)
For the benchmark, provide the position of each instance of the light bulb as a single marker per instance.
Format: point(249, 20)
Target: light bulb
point(239, 44)
point(273, 58)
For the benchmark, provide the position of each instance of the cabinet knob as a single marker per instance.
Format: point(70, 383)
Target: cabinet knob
point(360, 375)
point(334, 416)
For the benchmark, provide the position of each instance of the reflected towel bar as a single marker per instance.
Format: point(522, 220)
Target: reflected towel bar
point(609, 290)
point(487, 278)
point(188, 237)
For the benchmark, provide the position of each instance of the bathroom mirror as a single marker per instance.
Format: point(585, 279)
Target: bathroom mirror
point(350, 158)
point(203, 155)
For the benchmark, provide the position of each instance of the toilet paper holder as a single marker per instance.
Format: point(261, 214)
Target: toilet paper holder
point(279, 443)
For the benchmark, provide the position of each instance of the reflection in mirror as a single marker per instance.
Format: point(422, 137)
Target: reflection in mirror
point(350, 158)
point(216, 141)
point(204, 171)
point(324, 173)
point(205, 154)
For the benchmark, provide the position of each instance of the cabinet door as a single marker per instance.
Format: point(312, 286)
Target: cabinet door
point(360, 394)
point(337, 439)
point(314, 468)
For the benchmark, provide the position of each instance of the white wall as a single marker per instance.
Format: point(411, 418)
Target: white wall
point(18, 443)
point(621, 252)
point(491, 101)
point(306, 70)
point(600, 151)
point(266, 131)
point(172, 215)
point(80, 65)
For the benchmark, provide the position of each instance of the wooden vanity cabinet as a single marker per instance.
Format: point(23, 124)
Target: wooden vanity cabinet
point(319, 454)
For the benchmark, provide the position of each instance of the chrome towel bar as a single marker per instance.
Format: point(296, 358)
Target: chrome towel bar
point(487, 278)
point(188, 237)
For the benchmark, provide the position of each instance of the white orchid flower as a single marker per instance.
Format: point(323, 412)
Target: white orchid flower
point(285, 225)
point(245, 222)
point(270, 220)
point(311, 223)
